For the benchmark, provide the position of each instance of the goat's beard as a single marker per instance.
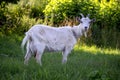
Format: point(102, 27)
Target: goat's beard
point(85, 34)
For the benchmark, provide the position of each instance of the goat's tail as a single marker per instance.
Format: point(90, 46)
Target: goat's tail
point(25, 39)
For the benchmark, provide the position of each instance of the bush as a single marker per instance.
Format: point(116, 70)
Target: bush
point(15, 18)
point(26, 23)
point(105, 31)
point(62, 9)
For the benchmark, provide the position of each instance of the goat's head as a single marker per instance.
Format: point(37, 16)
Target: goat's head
point(85, 23)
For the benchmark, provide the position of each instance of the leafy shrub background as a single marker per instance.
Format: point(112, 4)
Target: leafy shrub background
point(19, 17)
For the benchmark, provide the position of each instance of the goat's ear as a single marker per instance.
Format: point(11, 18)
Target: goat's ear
point(78, 19)
point(93, 20)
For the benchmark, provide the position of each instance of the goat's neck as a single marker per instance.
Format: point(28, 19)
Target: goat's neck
point(77, 31)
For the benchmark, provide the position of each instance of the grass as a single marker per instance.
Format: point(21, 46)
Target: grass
point(84, 63)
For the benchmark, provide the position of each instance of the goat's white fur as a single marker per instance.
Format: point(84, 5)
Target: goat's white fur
point(42, 38)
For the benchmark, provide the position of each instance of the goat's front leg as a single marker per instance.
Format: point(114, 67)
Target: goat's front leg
point(64, 60)
point(65, 54)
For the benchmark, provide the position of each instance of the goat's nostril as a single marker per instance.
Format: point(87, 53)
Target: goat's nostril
point(85, 27)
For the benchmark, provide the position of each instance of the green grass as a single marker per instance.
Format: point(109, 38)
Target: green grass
point(84, 63)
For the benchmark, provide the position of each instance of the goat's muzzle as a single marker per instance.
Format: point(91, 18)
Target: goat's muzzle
point(86, 29)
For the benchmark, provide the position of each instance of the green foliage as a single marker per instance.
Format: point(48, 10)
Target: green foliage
point(62, 9)
point(15, 18)
point(3, 11)
point(58, 9)
point(106, 29)
point(9, 1)
point(19, 17)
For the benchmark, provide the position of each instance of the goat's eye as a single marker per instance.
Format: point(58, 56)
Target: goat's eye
point(81, 22)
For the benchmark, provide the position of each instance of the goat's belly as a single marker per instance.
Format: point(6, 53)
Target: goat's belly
point(55, 47)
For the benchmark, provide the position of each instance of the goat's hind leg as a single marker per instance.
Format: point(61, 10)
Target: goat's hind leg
point(27, 57)
point(39, 54)
point(28, 54)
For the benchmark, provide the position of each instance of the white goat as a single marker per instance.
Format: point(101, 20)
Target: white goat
point(42, 38)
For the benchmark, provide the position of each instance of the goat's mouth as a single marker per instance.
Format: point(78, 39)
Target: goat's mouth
point(86, 29)
point(84, 32)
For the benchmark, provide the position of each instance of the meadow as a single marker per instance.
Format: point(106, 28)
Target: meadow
point(84, 63)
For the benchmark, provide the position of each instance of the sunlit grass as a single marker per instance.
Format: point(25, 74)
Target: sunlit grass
point(94, 50)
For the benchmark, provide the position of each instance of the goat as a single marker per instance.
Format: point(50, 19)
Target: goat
point(40, 38)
